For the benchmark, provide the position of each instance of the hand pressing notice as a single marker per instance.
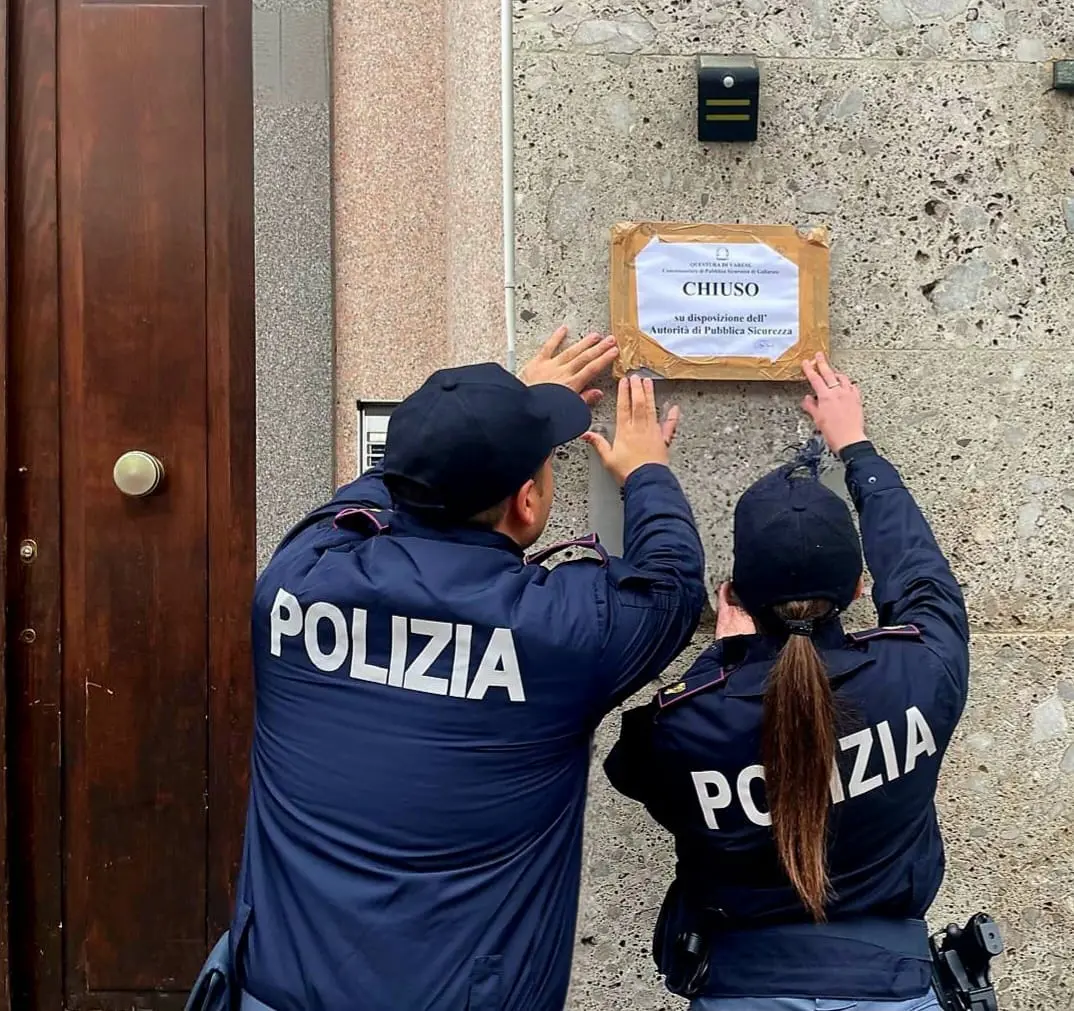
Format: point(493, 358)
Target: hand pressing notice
point(574, 367)
point(835, 404)
point(640, 438)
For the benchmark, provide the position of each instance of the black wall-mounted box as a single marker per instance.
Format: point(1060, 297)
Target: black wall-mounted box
point(728, 90)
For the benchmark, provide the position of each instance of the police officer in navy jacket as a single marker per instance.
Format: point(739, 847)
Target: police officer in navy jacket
point(426, 697)
point(795, 765)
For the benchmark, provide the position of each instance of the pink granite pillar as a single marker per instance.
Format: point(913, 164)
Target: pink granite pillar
point(417, 215)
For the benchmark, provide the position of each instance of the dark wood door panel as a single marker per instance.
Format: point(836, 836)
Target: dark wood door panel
point(32, 484)
point(134, 366)
point(130, 212)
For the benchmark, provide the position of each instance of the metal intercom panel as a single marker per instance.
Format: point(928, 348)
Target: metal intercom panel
point(373, 418)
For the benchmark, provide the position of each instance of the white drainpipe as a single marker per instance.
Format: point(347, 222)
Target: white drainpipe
point(507, 123)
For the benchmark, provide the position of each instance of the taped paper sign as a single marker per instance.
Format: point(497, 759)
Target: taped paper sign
point(697, 298)
point(718, 301)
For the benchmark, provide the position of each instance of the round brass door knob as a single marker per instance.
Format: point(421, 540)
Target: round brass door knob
point(138, 474)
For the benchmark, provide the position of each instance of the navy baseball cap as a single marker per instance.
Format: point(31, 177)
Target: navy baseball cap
point(470, 437)
point(794, 540)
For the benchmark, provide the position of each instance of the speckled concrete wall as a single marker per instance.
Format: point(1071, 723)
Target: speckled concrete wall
point(923, 132)
point(293, 261)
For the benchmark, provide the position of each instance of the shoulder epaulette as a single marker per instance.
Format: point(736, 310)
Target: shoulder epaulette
point(586, 548)
point(679, 690)
point(886, 632)
point(366, 521)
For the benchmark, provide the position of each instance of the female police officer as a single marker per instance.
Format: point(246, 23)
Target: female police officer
point(796, 765)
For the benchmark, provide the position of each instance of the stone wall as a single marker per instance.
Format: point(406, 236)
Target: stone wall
point(293, 250)
point(924, 133)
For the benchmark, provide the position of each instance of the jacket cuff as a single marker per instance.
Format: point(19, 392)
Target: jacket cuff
point(648, 474)
point(868, 472)
point(857, 450)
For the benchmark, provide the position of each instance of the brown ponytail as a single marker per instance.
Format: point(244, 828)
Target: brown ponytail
point(798, 746)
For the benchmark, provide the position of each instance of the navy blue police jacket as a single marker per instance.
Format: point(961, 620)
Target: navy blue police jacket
point(425, 701)
point(693, 758)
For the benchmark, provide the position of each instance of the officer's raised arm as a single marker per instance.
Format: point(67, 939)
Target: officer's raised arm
point(913, 583)
point(656, 591)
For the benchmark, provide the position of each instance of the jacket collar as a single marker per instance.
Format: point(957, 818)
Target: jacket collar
point(747, 659)
point(404, 524)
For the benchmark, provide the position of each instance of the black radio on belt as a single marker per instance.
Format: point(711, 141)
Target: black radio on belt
point(728, 88)
point(690, 966)
point(961, 957)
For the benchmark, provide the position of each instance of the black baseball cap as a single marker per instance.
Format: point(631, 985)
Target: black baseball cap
point(794, 540)
point(469, 437)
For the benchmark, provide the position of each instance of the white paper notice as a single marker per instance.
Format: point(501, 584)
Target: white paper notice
point(702, 299)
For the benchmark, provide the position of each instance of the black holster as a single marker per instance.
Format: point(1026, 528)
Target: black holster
point(682, 941)
point(961, 960)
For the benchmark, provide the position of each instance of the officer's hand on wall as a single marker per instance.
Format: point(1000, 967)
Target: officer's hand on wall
point(640, 438)
point(835, 404)
point(731, 620)
point(574, 367)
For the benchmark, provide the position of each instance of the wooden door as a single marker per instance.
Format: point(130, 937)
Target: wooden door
point(130, 328)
